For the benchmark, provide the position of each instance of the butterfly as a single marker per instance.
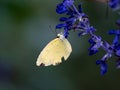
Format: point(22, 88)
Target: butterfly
point(54, 52)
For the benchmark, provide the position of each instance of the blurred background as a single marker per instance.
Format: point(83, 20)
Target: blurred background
point(24, 31)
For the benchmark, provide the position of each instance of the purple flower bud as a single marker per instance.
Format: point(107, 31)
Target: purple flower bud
point(118, 63)
point(61, 9)
point(118, 22)
point(114, 4)
point(80, 8)
point(63, 19)
point(68, 3)
point(103, 66)
point(60, 26)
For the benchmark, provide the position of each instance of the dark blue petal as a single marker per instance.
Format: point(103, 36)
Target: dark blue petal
point(113, 5)
point(82, 24)
point(68, 3)
point(92, 52)
point(61, 9)
point(111, 32)
point(116, 40)
point(70, 21)
point(118, 63)
point(92, 29)
point(80, 8)
point(118, 22)
point(103, 66)
point(60, 26)
point(118, 52)
point(70, 24)
point(63, 19)
point(91, 41)
point(79, 34)
point(70, 12)
point(116, 32)
point(66, 33)
point(117, 47)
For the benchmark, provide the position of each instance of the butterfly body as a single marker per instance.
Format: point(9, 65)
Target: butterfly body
point(54, 51)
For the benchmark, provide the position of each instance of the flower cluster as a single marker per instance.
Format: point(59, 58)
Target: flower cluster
point(77, 20)
point(75, 17)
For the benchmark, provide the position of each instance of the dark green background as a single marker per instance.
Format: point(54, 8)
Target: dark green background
point(24, 31)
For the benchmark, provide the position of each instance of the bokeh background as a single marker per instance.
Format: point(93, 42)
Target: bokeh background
point(24, 31)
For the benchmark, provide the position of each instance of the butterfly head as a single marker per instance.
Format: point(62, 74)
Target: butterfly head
point(61, 36)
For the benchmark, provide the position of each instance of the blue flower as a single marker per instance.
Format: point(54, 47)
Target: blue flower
point(116, 41)
point(118, 63)
point(103, 66)
point(117, 36)
point(114, 4)
point(62, 19)
point(60, 26)
point(78, 21)
point(66, 33)
point(61, 8)
point(75, 20)
point(114, 32)
point(91, 49)
point(86, 29)
point(118, 23)
point(96, 43)
point(68, 3)
point(117, 50)
point(80, 8)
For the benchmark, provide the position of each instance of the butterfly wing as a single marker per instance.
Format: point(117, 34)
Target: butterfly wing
point(54, 52)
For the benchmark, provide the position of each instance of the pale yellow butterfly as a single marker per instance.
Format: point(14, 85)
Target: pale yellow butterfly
point(55, 51)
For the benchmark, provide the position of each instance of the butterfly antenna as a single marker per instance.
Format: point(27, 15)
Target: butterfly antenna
point(54, 31)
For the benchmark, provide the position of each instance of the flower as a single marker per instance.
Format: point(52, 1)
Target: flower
point(96, 43)
point(118, 63)
point(78, 21)
point(118, 23)
point(61, 9)
point(114, 4)
point(103, 66)
point(116, 43)
point(75, 20)
point(64, 6)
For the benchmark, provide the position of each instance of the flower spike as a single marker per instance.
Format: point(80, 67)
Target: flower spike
point(77, 20)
